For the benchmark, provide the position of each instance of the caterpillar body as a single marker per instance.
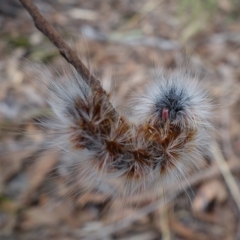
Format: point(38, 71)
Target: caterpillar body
point(161, 136)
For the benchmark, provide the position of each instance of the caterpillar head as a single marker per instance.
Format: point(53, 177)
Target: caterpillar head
point(172, 104)
point(177, 99)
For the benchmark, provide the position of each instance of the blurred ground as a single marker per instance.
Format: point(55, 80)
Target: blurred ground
point(125, 40)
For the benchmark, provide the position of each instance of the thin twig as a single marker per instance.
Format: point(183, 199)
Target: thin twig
point(70, 56)
point(227, 174)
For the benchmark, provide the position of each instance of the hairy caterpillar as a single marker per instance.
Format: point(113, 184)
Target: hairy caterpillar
point(162, 135)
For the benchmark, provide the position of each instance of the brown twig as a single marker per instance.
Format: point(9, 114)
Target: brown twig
point(45, 27)
point(227, 174)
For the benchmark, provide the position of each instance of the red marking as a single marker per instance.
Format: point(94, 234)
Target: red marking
point(165, 114)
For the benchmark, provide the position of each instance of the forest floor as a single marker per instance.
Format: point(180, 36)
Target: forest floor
point(124, 41)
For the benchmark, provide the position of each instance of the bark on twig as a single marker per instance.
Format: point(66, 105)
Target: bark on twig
point(70, 56)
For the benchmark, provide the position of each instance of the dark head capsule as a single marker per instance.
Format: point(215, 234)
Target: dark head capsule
point(172, 103)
